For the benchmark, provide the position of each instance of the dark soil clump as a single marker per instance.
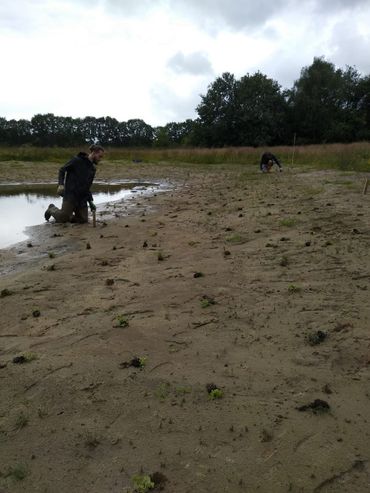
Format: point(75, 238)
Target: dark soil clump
point(211, 386)
point(317, 406)
point(19, 360)
point(316, 338)
point(135, 363)
point(159, 481)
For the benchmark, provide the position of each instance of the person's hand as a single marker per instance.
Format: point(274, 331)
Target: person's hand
point(60, 190)
point(92, 206)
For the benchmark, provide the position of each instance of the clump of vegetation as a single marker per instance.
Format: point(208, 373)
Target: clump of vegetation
point(160, 257)
point(142, 361)
point(36, 313)
point(122, 321)
point(163, 391)
point(294, 289)
point(207, 301)
point(24, 358)
point(51, 255)
point(214, 391)
point(289, 222)
point(235, 239)
point(182, 390)
point(216, 394)
point(5, 292)
point(142, 483)
point(340, 156)
point(17, 472)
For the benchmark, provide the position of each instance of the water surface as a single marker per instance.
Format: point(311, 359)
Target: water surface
point(23, 205)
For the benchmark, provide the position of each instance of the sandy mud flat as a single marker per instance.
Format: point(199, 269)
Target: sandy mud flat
point(214, 338)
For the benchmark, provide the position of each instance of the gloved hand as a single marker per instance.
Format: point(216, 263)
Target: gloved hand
point(92, 206)
point(60, 190)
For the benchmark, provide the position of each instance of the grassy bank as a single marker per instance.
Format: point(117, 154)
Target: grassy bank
point(351, 157)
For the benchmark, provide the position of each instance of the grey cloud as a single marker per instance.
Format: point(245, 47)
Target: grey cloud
point(129, 7)
point(238, 14)
point(195, 63)
point(250, 14)
point(214, 15)
point(350, 47)
point(329, 5)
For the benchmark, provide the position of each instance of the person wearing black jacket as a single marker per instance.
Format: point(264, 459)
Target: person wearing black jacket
point(267, 162)
point(74, 181)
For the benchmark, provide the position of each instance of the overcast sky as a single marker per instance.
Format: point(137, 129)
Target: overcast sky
point(151, 59)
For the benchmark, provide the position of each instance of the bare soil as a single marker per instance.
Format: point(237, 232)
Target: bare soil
point(225, 280)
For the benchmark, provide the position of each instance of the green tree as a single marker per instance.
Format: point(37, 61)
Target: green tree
point(325, 102)
point(45, 129)
point(217, 111)
point(140, 134)
point(174, 134)
point(261, 111)
point(364, 107)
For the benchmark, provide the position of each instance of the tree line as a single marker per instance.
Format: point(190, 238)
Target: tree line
point(326, 104)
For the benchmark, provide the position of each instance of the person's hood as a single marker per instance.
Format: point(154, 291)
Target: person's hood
point(83, 155)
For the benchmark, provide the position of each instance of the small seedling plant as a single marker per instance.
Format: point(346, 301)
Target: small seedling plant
point(142, 484)
point(122, 321)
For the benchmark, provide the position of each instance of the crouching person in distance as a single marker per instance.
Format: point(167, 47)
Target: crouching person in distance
point(267, 162)
point(74, 182)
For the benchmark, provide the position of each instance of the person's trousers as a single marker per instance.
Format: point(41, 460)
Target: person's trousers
point(69, 213)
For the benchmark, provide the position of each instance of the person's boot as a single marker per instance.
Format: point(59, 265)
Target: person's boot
point(47, 214)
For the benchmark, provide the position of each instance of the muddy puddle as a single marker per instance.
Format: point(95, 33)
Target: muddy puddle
point(22, 205)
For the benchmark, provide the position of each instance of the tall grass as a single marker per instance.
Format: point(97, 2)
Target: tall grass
point(339, 156)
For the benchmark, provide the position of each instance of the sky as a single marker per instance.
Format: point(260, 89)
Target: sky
point(153, 59)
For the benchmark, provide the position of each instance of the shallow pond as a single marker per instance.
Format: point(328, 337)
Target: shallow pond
point(23, 205)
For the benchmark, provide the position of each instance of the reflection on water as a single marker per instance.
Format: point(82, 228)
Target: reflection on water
point(24, 205)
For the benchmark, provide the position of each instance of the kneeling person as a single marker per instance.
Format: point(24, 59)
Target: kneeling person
point(74, 182)
point(267, 161)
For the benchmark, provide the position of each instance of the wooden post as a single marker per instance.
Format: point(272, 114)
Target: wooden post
point(94, 218)
point(365, 186)
point(295, 135)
